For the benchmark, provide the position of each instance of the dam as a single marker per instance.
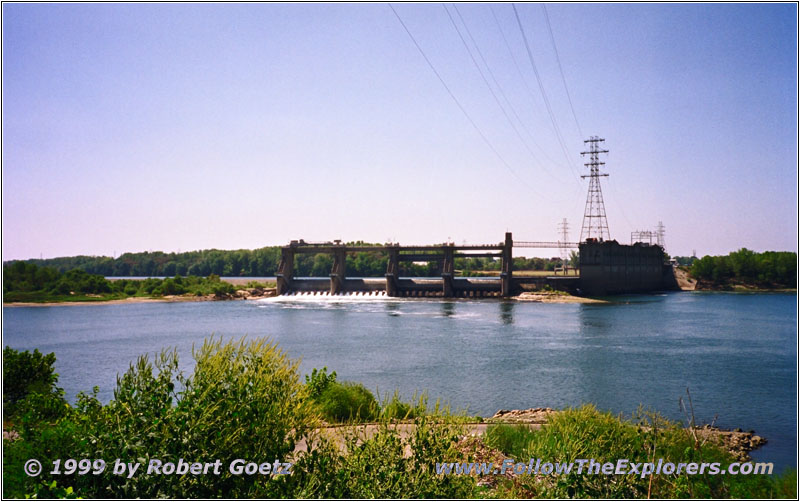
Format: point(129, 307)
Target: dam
point(606, 267)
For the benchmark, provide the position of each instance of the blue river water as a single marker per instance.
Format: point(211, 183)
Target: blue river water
point(737, 353)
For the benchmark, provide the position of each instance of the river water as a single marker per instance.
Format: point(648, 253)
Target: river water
point(737, 353)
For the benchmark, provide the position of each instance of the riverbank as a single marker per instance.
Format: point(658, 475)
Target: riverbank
point(737, 443)
point(741, 288)
point(241, 294)
point(688, 283)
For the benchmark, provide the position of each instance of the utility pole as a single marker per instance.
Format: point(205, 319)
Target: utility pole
point(595, 224)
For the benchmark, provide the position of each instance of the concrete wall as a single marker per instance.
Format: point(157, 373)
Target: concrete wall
point(609, 268)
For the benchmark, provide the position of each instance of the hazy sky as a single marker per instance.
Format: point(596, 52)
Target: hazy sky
point(130, 127)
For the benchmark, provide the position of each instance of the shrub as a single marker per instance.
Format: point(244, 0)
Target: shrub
point(39, 407)
point(341, 402)
point(172, 286)
point(25, 373)
point(318, 381)
point(243, 400)
point(222, 288)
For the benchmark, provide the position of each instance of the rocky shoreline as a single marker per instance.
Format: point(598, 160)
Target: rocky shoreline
point(738, 442)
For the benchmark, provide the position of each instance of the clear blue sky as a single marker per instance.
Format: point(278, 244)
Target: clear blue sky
point(130, 127)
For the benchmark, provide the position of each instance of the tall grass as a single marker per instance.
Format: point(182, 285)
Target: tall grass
point(586, 433)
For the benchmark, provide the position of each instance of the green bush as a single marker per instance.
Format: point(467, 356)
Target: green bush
point(26, 373)
point(318, 381)
point(341, 402)
point(172, 286)
point(243, 400)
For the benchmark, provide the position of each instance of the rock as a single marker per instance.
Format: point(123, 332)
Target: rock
point(529, 416)
point(737, 442)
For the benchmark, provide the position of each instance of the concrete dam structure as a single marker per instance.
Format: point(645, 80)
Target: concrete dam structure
point(393, 284)
point(605, 268)
point(610, 268)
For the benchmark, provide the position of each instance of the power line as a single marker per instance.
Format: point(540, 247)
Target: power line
point(524, 82)
point(458, 103)
point(541, 88)
point(616, 198)
point(485, 81)
point(560, 69)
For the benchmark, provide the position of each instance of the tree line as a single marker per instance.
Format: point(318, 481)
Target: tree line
point(770, 268)
point(29, 282)
point(264, 262)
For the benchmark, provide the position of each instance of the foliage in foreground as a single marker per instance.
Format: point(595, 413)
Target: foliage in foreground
point(245, 400)
point(340, 401)
point(26, 373)
point(343, 402)
point(585, 433)
point(385, 464)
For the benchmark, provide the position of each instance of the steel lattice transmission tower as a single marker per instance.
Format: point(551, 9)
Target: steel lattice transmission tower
point(660, 235)
point(563, 239)
point(595, 224)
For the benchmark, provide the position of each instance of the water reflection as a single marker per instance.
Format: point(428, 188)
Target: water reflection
point(393, 309)
point(448, 309)
point(507, 312)
point(597, 359)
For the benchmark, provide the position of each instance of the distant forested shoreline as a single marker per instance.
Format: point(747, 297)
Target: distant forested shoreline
point(262, 262)
point(770, 269)
point(767, 270)
point(28, 282)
